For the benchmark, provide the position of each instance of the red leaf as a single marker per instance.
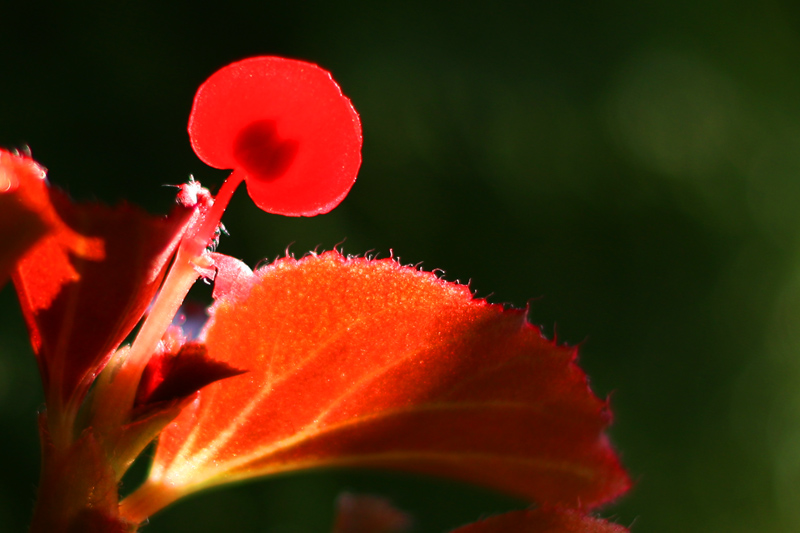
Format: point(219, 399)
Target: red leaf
point(84, 287)
point(542, 521)
point(25, 211)
point(286, 125)
point(368, 363)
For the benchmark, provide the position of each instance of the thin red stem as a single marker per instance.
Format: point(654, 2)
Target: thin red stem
point(115, 402)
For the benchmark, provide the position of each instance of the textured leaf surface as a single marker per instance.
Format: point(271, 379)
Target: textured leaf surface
point(353, 362)
point(85, 285)
point(542, 521)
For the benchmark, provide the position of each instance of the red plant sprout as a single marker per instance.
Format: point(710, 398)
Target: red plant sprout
point(324, 361)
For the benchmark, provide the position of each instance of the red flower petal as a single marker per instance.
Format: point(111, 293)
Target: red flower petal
point(367, 363)
point(542, 521)
point(86, 285)
point(286, 125)
point(25, 211)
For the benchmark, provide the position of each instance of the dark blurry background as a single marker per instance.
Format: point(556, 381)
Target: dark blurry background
point(634, 170)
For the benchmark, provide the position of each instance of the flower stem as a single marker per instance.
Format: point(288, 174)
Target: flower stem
point(77, 488)
point(116, 400)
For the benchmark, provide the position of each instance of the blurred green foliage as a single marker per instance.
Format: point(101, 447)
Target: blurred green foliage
point(634, 168)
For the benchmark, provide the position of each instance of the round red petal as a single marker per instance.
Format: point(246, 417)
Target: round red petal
point(287, 126)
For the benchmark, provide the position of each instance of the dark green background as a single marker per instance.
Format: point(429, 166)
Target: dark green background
point(634, 168)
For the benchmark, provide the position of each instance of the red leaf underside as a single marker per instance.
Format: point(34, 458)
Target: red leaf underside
point(353, 362)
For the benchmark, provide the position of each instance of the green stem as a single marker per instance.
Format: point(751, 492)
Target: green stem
point(146, 501)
